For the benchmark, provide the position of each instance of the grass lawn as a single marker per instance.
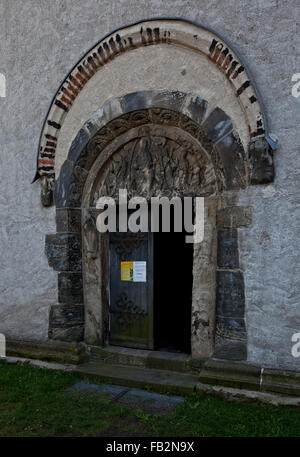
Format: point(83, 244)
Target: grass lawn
point(33, 402)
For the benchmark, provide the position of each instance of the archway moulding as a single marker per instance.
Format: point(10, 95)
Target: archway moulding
point(184, 146)
point(173, 32)
point(172, 114)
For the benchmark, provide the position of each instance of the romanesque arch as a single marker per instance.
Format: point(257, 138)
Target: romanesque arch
point(160, 32)
point(200, 153)
point(188, 144)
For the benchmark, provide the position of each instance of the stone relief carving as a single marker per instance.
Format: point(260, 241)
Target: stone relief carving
point(154, 166)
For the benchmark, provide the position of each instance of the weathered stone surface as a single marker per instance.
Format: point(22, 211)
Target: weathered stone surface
point(231, 350)
point(69, 334)
point(234, 217)
point(70, 289)
point(230, 328)
point(234, 374)
point(69, 186)
point(204, 285)
point(172, 100)
point(47, 188)
point(230, 294)
point(79, 142)
point(228, 255)
point(63, 316)
point(68, 220)
point(233, 159)
point(159, 160)
point(283, 382)
point(261, 162)
point(64, 251)
point(52, 351)
point(217, 125)
point(195, 108)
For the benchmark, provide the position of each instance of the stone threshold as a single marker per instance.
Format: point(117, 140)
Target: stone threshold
point(212, 373)
point(161, 381)
point(172, 361)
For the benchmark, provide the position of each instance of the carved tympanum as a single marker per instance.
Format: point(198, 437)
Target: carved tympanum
point(155, 165)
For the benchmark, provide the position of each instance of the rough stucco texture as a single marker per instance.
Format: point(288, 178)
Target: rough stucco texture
point(39, 43)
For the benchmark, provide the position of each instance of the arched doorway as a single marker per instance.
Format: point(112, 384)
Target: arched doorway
point(158, 158)
point(208, 149)
point(196, 157)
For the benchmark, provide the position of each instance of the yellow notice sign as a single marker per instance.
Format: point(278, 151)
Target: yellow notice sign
point(126, 271)
point(134, 271)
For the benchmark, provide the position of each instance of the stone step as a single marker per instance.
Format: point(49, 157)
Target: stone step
point(50, 351)
point(171, 382)
point(141, 358)
point(214, 372)
point(162, 381)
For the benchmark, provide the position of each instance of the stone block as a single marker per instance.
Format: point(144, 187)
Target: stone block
point(91, 151)
point(228, 255)
point(261, 162)
point(284, 382)
point(136, 101)
point(78, 144)
point(64, 252)
point(64, 316)
point(69, 186)
point(69, 334)
point(50, 351)
point(230, 294)
point(217, 125)
point(195, 108)
point(172, 100)
point(68, 220)
point(230, 328)
point(234, 217)
point(231, 350)
point(233, 161)
point(70, 289)
point(231, 374)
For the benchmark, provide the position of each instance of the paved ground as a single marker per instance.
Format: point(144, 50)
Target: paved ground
point(148, 402)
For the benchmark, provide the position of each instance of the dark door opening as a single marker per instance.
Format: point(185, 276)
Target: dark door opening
point(173, 266)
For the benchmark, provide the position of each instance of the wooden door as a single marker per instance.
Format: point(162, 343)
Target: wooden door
point(131, 289)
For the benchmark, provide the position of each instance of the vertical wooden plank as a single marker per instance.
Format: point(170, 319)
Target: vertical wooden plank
point(131, 303)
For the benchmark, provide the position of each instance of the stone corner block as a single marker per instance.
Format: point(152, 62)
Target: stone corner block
point(64, 251)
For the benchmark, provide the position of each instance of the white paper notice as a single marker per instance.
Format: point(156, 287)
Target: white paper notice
point(139, 271)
